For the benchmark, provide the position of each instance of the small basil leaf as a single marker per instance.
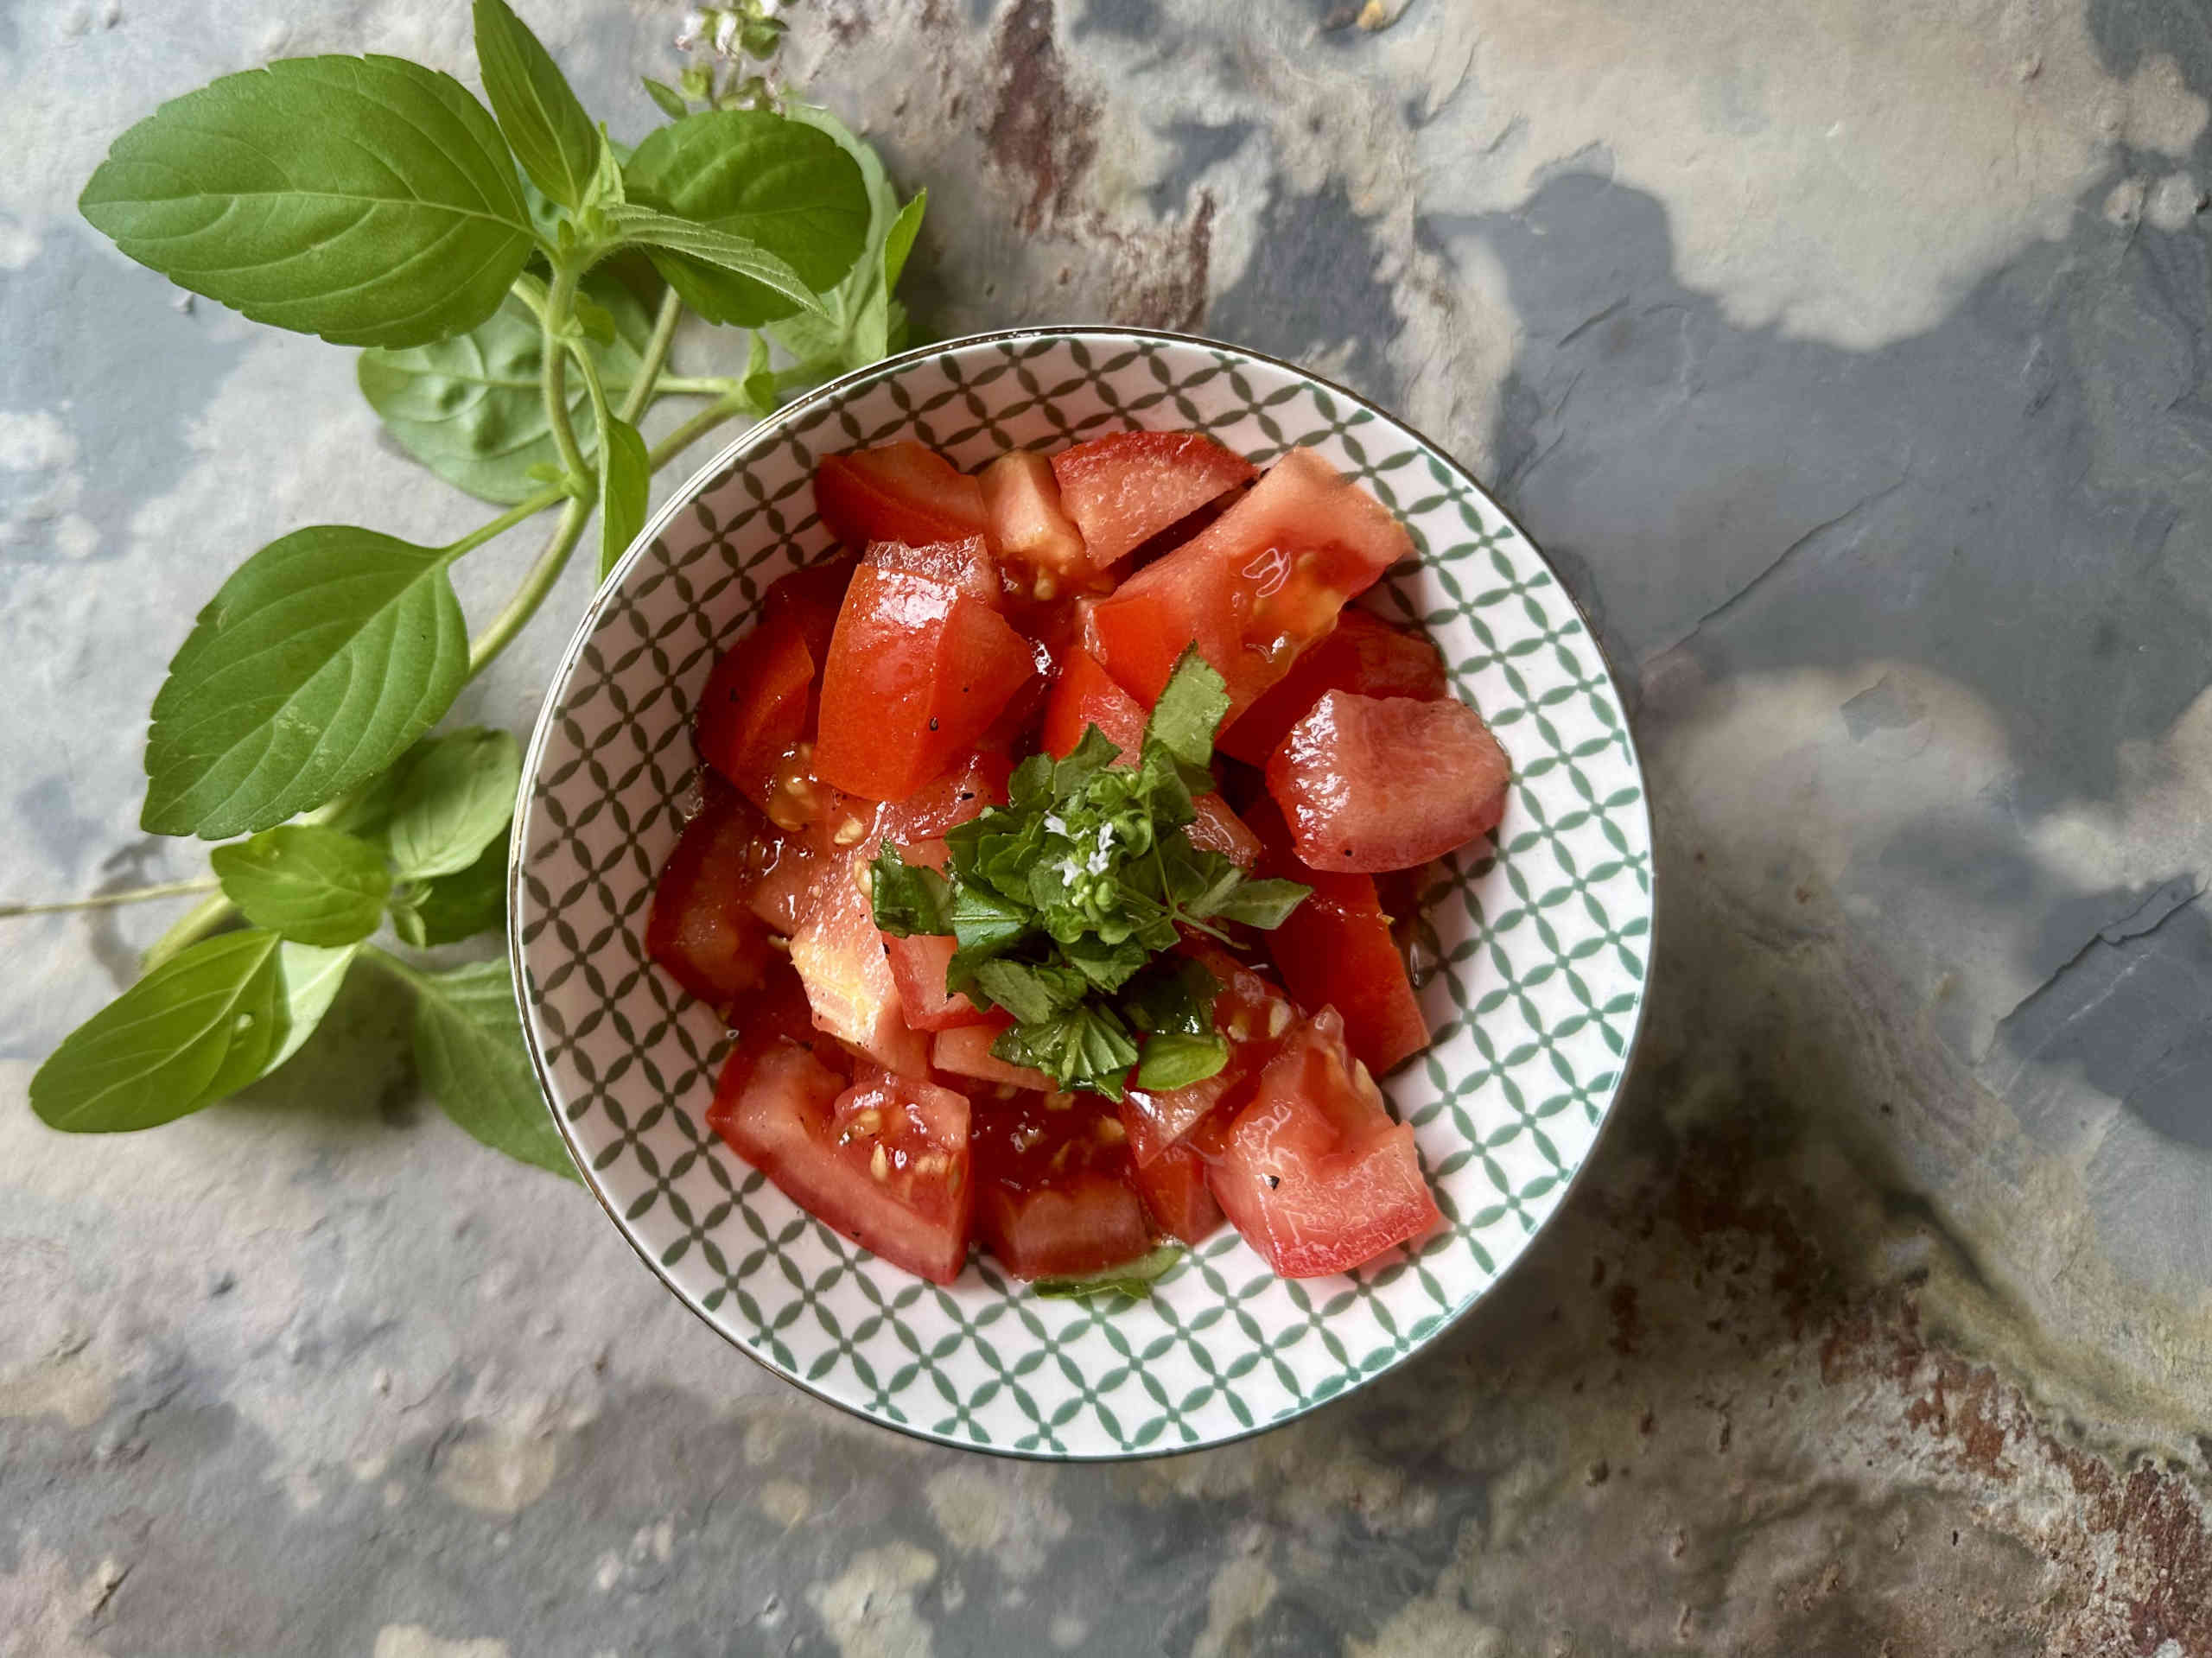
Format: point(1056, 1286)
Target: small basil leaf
point(201, 1025)
point(1085, 1047)
point(551, 135)
point(984, 923)
point(1174, 1060)
point(1175, 998)
point(311, 978)
point(1134, 1279)
point(595, 320)
point(1190, 709)
point(626, 481)
point(369, 200)
point(1090, 756)
point(777, 187)
point(1106, 966)
point(311, 670)
point(468, 1047)
point(908, 898)
point(871, 327)
point(1264, 904)
point(1030, 993)
point(455, 800)
point(670, 101)
point(706, 245)
point(450, 908)
point(315, 886)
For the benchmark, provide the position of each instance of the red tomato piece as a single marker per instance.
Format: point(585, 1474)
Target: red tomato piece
point(1216, 829)
point(1364, 654)
point(754, 711)
point(1174, 1189)
point(901, 492)
point(964, 566)
point(807, 600)
point(779, 1012)
point(1313, 1172)
point(1027, 522)
point(702, 928)
point(1085, 694)
point(917, 966)
point(1373, 782)
point(789, 871)
point(966, 1052)
point(884, 1161)
point(1254, 588)
point(1125, 487)
point(1053, 1195)
point(1335, 949)
point(1252, 1016)
point(841, 960)
point(974, 780)
point(917, 671)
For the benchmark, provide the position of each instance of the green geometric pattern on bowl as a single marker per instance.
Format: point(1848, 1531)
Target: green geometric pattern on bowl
point(1533, 951)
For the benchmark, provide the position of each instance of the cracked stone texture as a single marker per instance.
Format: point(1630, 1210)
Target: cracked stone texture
point(1847, 356)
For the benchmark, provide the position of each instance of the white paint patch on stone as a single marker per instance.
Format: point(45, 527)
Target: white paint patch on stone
point(34, 440)
point(868, 1609)
point(2174, 201)
point(413, 1641)
point(1240, 1592)
point(42, 1607)
point(785, 1501)
point(500, 1472)
point(1008, 1514)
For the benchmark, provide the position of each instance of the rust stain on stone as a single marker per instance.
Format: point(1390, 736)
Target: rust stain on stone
point(1039, 130)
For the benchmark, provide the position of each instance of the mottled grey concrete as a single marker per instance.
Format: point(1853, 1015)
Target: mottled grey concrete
point(1848, 356)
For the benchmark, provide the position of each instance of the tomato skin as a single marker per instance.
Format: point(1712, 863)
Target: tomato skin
point(964, 566)
point(974, 780)
point(917, 672)
point(1216, 829)
point(1364, 654)
point(1313, 1172)
point(754, 708)
point(1053, 1194)
point(884, 1160)
point(807, 600)
point(1028, 523)
point(1334, 950)
point(1085, 695)
point(901, 492)
point(700, 928)
point(1122, 489)
point(1372, 784)
point(841, 960)
point(1175, 1193)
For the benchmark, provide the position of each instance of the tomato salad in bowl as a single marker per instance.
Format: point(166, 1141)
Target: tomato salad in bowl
point(1056, 846)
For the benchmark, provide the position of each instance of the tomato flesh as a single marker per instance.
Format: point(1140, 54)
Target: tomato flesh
point(840, 958)
point(964, 566)
point(1335, 949)
point(1313, 1172)
point(886, 1160)
point(966, 1052)
point(755, 706)
point(1370, 784)
point(1085, 694)
point(1364, 654)
point(702, 928)
point(901, 492)
point(917, 671)
point(1174, 1189)
point(1251, 1015)
point(973, 781)
point(1028, 523)
point(1217, 829)
point(1122, 489)
point(1255, 587)
point(1053, 1194)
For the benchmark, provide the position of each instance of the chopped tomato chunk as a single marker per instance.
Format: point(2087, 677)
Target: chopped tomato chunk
point(1173, 1187)
point(1255, 587)
point(901, 492)
point(1251, 1015)
point(973, 781)
point(702, 928)
point(918, 963)
point(917, 671)
point(1216, 829)
point(841, 960)
point(1364, 654)
point(886, 1160)
point(966, 1052)
point(807, 601)
point(1313, 1172)
point(789, 871)
point(1371, 782)
point(1085, 694)
point(1053, 1198)
point(964, 566)
point(1125, 487)
point(1335, 949)
point(754, 711)
point(1027, 522)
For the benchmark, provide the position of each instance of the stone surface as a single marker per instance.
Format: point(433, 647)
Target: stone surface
point(1848, 357)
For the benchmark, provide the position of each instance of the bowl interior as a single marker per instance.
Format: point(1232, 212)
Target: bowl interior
point(1534, 950)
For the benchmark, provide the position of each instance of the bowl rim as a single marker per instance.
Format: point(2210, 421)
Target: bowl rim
point(587, 623)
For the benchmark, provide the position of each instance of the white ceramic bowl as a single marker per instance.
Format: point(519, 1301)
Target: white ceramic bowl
point(1535, 951)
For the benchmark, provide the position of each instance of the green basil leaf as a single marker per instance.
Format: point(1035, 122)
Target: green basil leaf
point(626, 482)
point(1085, 1047)
point(311, 978)
point(201, 1025)
point(871, 327)
point(839, 339)
point(471, 408)
point(760, 392)
point(1096, 753)
point(468, 1047)
point(450, 908)
point(1174, 1060)
point(1106, 966)
point(908, 898)
point(369, 200)
point(456, 799)
point(1134, 1279)
point(985, 924)
point(670, 101)
point(1190, 709)
point(1264, 904)
point(313, 884)
point(782, 187)
point(550, 134)
point(714, 247)
point(311, 670)
point(1029, 992)
point(1175, 998)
